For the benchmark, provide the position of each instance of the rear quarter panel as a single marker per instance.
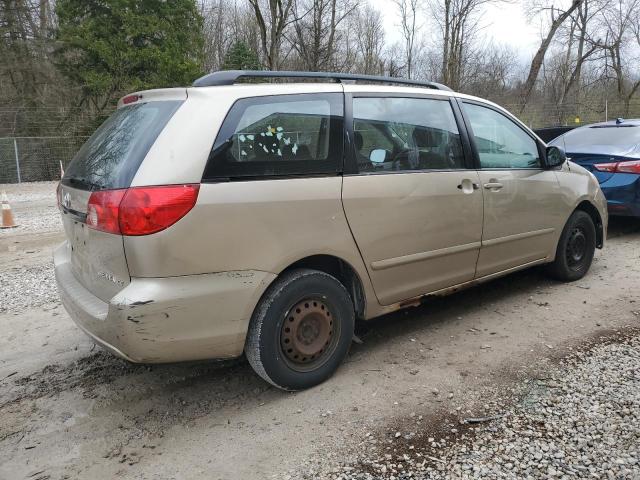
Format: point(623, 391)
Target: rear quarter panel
point(263, 225)
point(181, 151)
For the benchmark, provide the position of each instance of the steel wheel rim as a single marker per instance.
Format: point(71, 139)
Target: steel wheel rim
point(576, 249)
point(309, 334)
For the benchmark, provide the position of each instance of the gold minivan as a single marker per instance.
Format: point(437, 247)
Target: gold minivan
point(265, 218)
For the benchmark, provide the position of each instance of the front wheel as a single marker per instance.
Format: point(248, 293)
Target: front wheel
point(301, 330)
point(575, 249)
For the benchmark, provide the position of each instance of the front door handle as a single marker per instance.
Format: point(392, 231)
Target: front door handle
point(493, 186)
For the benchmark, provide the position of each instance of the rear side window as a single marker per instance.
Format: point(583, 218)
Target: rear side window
point(405, 134)
point(279, 135)
point(112, 155)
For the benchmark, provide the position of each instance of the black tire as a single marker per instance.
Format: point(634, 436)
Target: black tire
point(328, 316)
point(575, 249)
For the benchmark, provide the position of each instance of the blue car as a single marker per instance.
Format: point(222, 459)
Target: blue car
point(611, 151)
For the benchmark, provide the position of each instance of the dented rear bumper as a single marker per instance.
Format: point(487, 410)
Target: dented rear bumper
point(159, 320)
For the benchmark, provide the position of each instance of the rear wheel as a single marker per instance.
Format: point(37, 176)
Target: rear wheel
point(575, 249)
point(301, 330)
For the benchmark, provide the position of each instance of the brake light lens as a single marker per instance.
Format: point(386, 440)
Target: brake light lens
point(629, 167)
point(605, 167)
point(131, 99)
point(148, 210)
point(103, 208)
point(632, 166)
point(140, 210)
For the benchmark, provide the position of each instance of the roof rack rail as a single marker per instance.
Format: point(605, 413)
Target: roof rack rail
point(229, 77)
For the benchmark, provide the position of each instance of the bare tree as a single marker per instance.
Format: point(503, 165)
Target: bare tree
point(410, 28)
point(272, 27)
point(317, 31)
point(458, 23)
point(621, 21)
point(369, 39)
point(558, 17)
point(226, 22)
point(587, 45)
point(490, 72)
point(28, 77)
point(216, 38)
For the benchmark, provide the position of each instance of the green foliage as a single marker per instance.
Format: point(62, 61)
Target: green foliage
point(112, 47)
point(241, 57)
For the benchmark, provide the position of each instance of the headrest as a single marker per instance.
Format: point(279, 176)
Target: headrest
point(424, 137)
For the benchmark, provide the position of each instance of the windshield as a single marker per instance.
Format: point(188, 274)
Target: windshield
point(111, 157)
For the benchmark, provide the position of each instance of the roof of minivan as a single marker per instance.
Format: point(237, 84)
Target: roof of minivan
point(244, 90)
point(258, 89)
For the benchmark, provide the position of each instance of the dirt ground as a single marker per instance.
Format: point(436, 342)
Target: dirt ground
point(70, 410)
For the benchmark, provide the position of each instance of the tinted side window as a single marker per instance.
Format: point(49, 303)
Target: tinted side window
point(279, 135)
point(500, 142)
point(405, 134)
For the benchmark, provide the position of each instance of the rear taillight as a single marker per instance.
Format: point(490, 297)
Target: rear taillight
point(103, 208)
point(140, 210)
point(629, 167)
point(632, 166)
point(148, 210)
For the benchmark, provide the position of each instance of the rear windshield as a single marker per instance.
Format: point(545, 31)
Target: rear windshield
point(111, 157)
point(614, 140)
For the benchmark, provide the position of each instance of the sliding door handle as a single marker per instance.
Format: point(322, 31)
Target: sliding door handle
point(493, 186)
point(467, 186)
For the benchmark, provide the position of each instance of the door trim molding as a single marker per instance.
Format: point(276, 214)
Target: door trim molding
point(517, 236)
point(418, 257)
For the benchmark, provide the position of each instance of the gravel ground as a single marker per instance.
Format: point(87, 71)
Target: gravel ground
point(34, 207)
point(29, 283)
point(27, 287)
point(582, 421)
point(393, 410)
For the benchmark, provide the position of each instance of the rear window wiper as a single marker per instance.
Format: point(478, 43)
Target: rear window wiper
point(83, 182)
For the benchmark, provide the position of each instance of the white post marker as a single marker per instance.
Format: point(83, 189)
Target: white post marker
point(15, 151)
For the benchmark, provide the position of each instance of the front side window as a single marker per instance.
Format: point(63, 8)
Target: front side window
point(279, 135)
point(500, 142)
point(405, 134)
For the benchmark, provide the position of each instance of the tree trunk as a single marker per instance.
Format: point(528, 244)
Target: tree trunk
point(538, 59)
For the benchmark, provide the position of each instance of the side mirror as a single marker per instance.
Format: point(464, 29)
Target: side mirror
point(379, 155)
point(555, 157)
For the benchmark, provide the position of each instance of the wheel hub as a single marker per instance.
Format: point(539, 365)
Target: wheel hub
point(307, 331)
point(576, 246)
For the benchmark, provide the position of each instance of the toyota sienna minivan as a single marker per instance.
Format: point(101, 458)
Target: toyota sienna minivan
point(266, 218)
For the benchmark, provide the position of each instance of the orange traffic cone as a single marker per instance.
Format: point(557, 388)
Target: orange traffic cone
point(7, 215)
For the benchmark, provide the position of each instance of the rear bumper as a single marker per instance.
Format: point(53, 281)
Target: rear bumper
point(158, 320)
point(622, 191)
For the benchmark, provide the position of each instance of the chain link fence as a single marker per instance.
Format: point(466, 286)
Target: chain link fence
point(544, 114)
point(35, 159)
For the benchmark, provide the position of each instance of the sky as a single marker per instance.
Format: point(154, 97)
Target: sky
point(505, 23)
